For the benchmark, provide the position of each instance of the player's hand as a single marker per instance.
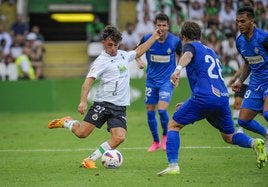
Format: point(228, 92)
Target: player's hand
point(178, 105)
point(82, 107)
point(231, 81)
point(141, 64)
point(158, 33)
point(236, 86)
point(174, 79)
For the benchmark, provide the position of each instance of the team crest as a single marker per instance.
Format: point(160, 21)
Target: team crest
point(169, 51)
point(95, 117)
point(256, 50)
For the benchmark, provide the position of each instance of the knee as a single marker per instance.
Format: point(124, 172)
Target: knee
point(265, 115)
point(119, 138)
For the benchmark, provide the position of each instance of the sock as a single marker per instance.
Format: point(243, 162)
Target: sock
point(151, 117)
point(242, 140)
point(173, 146)
point(98, 152)
point(164, 120)
point(253, 126)
point(265, 115)
point(69, 124)
point(235, 117)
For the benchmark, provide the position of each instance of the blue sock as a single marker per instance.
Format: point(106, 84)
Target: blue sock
point(173, 145)
point(265, 115)
point(253, 126)
point(164, 120)
point(151, 117)
point(242, 140)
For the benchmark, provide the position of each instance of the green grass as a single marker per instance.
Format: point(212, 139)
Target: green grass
point(32, 155)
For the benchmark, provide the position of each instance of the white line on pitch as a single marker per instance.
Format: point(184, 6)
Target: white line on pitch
point(123, 148)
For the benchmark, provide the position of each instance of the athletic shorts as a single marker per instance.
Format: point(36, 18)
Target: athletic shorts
point(154, 94)
point(101, 112)
point(218, 115)
point(254, 98)
point(242, 91)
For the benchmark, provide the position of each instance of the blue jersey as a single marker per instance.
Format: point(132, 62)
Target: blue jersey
point(256, 55)
point(161, 59)
point(204, 74)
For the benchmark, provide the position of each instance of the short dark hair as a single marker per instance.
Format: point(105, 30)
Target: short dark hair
point(191, 30)
point(113, 33)
point(161, 17)
point(246, 9)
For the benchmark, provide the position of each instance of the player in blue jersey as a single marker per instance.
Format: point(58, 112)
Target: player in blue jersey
point(161, 62)
point(209, 99)
point(252, 44)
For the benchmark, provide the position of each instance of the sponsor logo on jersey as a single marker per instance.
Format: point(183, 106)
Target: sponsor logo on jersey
point(254, 59)
point(160, 58)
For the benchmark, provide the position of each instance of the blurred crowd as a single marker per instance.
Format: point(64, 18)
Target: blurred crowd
point(216, 17)
point(21, 51)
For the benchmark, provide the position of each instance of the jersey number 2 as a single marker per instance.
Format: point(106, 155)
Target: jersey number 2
point(214, 63)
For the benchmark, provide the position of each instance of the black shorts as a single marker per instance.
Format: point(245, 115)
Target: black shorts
point(101, 112)
point(242, 91)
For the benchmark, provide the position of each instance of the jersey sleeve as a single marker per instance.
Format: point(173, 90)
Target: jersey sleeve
point(96, 69)
point(190, 48)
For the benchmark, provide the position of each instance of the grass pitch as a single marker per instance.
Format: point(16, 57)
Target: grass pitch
point(32, 155)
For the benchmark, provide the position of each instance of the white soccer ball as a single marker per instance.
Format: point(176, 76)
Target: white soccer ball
point(112, 159)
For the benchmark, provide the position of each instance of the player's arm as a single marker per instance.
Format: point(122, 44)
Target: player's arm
point(245, 71)
point(84, 93)
point(141, 49)
point(183, 62)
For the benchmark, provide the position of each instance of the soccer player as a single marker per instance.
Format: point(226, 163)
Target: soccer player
point(252, 44)
point(113, 95)
point(209, 99)
point(161, 60)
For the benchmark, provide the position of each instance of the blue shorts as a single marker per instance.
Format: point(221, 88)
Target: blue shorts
point(254, 99)
point(154, 94)
point(218, 114)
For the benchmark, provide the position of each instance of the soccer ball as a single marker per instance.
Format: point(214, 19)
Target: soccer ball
point(112, 159)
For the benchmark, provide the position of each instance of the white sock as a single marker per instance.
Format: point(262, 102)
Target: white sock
point(69, 124)
point(235, 117)
point(98, 153)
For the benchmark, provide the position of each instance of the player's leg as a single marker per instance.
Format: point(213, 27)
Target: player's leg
point(222, 120)
point(151, 95)
point(236, 110)
point(185, 114)
point(116, 124)
point(252, 104)
point(265, 115)
point(165, 94)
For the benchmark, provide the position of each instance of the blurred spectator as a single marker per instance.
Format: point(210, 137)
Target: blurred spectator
point(145, 7)
point(17, 46)
point(214, 29)
point(212, 9)
point(145, 26)
point(36, 54)
point(94, 30)
point(19, 27)
point(39, 37)
point(5, 41)
point(227, 19)
point(130, 38)
point(196, 13)
point(8, 69)
point(214, 43)
point(24, 65)
point(164, 6)
point(230, 53)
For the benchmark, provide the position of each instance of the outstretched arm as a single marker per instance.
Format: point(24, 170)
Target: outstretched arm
point(141, 49)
